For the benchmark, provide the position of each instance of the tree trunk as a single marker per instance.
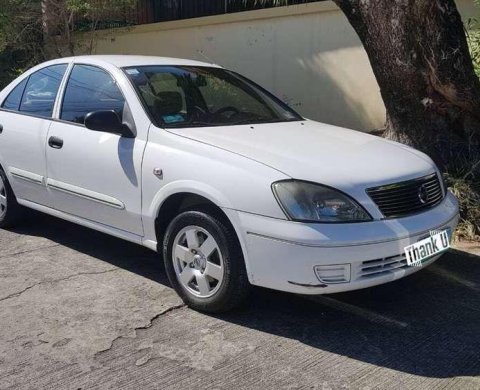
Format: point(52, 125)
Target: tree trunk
point(420, 57)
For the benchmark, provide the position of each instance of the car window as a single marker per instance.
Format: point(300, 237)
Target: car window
point(41, 91)
point(90, 89)
point(12, 102)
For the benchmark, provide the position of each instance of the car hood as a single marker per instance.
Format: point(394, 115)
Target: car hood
point(312, 151)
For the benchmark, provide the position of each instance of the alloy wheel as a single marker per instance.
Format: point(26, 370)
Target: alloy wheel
point(198, 261)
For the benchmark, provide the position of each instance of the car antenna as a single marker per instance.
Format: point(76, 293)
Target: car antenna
point(206, 57)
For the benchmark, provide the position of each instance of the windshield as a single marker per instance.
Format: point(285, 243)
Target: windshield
point(191, 96)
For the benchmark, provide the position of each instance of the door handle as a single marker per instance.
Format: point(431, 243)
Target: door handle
point(55, 142)
point(1, 129)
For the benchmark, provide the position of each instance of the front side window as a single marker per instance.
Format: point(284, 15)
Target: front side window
point(12, 102)
point(191, 96)
point(41, 91)
point(90, 89)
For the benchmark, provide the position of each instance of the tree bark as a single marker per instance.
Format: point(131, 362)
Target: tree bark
point(420, 57)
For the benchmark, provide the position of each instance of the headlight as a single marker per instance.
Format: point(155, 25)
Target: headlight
point(308, 202)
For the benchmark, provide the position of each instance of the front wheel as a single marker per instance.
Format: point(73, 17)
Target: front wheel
point(204, 262)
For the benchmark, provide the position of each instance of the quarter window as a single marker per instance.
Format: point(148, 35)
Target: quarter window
point(90, 89)
point(12, 102)
point(41, 91)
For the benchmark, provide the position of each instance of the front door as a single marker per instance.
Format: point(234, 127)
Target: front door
point(94, 175)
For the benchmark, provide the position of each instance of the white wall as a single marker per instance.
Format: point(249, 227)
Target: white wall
point(306, 54)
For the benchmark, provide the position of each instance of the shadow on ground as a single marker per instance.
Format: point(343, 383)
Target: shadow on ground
point(426, 324)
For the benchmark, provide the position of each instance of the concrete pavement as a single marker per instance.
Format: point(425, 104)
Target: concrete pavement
point(80, 309)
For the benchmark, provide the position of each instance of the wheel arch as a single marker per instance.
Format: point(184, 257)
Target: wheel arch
point(181, 201)
point(170, 199)
point(174, 194)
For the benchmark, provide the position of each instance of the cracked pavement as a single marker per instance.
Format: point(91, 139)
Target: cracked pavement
point(80, 309)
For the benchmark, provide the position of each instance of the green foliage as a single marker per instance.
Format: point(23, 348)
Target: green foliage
point(100, 14)
point(96, 11)
point(80, 7)
point(20, 40)
point(94, 7)
point(28, 36)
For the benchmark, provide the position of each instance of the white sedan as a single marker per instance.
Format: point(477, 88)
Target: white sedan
point(231, 185)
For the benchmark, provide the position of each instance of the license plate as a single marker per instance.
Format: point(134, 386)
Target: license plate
point(437, 242)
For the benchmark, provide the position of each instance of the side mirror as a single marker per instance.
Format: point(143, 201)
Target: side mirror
point(107, 121)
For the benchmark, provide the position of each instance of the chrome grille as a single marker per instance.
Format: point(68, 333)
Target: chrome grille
point(408, 197)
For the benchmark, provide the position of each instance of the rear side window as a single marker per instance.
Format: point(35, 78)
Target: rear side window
point(90, 89)
point(12, 102)
point(41, 91)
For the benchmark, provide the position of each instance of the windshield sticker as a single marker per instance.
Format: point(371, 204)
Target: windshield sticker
point(132, 72)
point(173, 118)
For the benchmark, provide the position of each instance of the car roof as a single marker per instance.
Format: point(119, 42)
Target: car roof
point(118, 61)
point(121, 61)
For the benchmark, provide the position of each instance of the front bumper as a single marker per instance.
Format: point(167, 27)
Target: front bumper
point(285, 255)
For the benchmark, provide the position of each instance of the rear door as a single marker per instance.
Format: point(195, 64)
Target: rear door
point(25, 117)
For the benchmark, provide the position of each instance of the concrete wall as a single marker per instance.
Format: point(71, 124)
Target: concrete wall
point(306, 54)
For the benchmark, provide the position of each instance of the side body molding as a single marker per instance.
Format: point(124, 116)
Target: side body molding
point(27, 176)
point(86, 194)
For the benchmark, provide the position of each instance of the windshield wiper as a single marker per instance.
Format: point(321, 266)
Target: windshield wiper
point(193, 124)
point(254, 121)
point(237, 123)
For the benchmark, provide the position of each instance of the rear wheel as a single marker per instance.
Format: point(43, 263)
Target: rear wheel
point(10, 210)
point(204, 262)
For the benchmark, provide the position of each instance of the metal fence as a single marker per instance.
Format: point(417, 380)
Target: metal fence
point(150, 11)
point(165, 10)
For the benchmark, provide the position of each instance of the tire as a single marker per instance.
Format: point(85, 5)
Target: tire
point(10, 210)
point(199, 246)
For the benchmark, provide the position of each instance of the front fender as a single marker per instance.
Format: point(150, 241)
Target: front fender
point(228, 180)
point(189, 186)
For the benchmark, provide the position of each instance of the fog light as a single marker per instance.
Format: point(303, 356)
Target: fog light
point(332, 274)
